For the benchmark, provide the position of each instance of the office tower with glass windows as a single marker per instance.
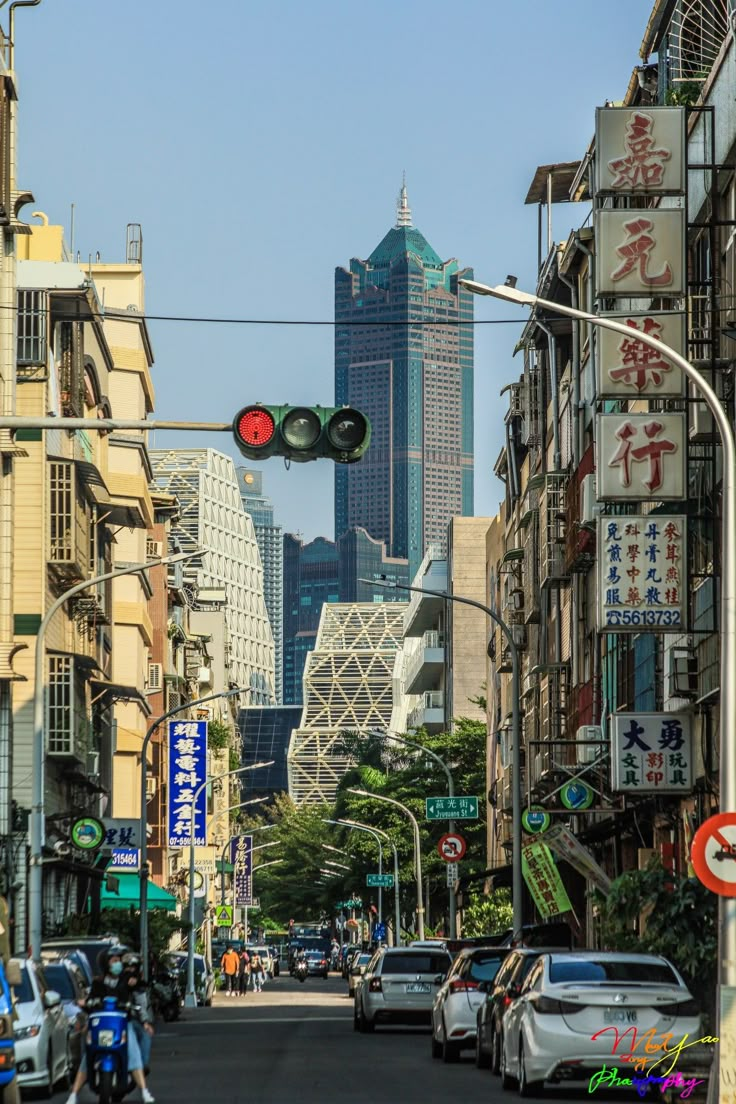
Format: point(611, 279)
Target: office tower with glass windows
point(269, 537)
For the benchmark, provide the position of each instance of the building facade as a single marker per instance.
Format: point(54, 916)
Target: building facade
point(264, 735)
point(269, 536)
point(404, 356)
point(348, 685)
point(212, 519)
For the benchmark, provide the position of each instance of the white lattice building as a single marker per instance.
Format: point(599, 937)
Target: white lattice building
point(213, 519)
point(348, 685)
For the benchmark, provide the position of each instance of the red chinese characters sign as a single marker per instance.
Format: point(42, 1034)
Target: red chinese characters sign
point(641, 457)
point(627, 368)
point(640, 253)
point(640, 151)
point(641, 573)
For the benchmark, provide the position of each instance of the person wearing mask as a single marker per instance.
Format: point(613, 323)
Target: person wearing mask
point(114, 981)
point(243, 971)
point(257, 972)
point(230, 966)
point(141, 998)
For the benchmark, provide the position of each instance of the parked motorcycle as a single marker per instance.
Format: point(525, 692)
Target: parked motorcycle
point(166, 994)
point(107, 1052)
point(301, 970)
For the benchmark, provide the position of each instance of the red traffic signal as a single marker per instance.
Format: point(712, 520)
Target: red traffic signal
point(255, 426)
point(302, 433)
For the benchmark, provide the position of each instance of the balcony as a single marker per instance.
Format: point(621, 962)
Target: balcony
point(552, 523)
point(425, 610)
point(425, 667)
point(430, 713)
point(68, 526)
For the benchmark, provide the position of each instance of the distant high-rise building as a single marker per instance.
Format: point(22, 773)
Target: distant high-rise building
point(265, 734)
point(325, 572)
point(404, 356)
point(269, 536)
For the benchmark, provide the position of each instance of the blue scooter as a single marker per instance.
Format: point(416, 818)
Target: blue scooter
point(107, 1052)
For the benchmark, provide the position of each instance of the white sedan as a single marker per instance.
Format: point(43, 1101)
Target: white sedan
point(41, 1031)
point(582, 1010)
point(455, 1008)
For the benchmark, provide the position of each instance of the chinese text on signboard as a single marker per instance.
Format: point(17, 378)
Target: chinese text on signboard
point(627, 368)
point(241, 857)
point(544, 882)
point(641, 564)
point(651, 752)
point(641, 456)
point(187, 771)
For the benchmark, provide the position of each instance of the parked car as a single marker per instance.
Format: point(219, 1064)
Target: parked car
point(349, 949)
point(454, 1012)
point(67, 979)
point(41, 1031)
point(505, 989)
point(399, 986)
point(204, 977)
point(553, 1031)
point(79, 958)
point(358, 965)
point(91, 946)
point(318, 963)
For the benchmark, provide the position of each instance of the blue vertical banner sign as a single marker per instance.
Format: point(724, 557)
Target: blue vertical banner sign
point(241, 857)
point(187, 771)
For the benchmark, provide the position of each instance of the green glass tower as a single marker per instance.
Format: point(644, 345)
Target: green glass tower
point(404, 355)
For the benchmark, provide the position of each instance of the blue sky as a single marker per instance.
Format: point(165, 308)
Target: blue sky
point(262, 144)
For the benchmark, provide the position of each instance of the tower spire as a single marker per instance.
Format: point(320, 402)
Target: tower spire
point(403, 210)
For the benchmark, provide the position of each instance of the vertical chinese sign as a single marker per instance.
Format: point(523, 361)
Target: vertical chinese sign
point(187, 771)
point(651, 752)
point(543, 880)
point(641, 565)
point(241, 858)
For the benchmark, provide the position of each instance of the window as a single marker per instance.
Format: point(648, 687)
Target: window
point(415, 964)
point(32, 328)
point(614, 971)
point(485, 969)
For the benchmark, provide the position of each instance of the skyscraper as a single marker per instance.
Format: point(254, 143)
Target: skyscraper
point(404, 356)
point(269, 539)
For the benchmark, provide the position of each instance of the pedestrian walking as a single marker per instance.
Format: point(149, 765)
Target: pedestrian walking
point(243, 971)
point(257, 972)
point(230, 966)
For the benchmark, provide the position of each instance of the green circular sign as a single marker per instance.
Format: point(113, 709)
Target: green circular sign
point(535, 819)
point(88, 833)
point(576, 795)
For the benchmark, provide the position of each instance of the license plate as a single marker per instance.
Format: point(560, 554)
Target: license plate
point(416, 988)
point(105, 1038)
point(620, 1015)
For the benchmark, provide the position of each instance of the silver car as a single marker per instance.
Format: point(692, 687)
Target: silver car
point(399, 986)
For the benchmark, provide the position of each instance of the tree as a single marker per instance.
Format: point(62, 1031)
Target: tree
point(485, 915)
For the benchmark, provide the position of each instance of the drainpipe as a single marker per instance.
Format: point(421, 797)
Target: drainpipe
point(554, 397)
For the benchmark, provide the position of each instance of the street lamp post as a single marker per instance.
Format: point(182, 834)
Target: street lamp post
point(417, 850)
point(38, 802)
point(142, 831)
point(377, 833)
point(190, 999)
point(727, 641)
point(517, 881)
point(328, 847)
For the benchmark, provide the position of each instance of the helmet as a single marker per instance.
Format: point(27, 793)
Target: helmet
point(115, 950)
point(131, 958)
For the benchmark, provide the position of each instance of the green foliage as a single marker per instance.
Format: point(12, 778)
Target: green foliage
point(655, 912)
point(233, 761)
point(218, 735)
point(125, 923)
point(485, 915)
point(685, 94)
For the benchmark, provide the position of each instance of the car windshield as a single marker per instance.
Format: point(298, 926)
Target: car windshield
point(314, 954)
point(644, 973)
point(59, 979)
point(23, 992)
point(421, 963)
point(485, 969)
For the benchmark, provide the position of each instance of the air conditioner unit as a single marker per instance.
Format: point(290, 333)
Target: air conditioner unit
point(518, 634)
point(589, 508)
point(93, 763)
point(154, 549)
point(155, 676)
point(588, 753)
point(204, 675)
point(151, 785)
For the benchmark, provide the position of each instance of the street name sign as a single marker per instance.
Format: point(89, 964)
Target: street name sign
point(383, 881)
point(453, 873)
point(714, 854)
point(452, 808)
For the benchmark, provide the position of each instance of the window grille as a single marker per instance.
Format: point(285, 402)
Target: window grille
point(32, 328)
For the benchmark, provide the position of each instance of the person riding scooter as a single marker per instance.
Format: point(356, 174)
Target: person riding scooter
point(114, 981)
point(140, 996)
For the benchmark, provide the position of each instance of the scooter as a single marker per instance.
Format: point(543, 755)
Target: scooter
point(166, 995)
point(107, 1052)
point(301, 971)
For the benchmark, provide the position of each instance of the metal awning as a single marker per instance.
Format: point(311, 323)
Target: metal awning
point(121, 692)
point(554, 182)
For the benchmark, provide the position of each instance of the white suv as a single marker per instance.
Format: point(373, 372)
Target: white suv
point(399, 986)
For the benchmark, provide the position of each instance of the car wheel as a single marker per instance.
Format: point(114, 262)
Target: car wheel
point(367, 1027)
point(507, 1081)
point(436, 1047)
point(495, 1049)
point(450, 1050)
point(527, 1088)
point(48, 1089)
point(482, 1060)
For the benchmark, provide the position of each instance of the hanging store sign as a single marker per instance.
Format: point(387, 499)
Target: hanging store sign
point(535, 819)
point(577, 795)
point(640, 152)
point(627, 368)
point(641, 566)
point(241, 857)
point(641, 457)
point(543, 880)
point(651, 752)
point(187, 771)
point(568, 847)
point(640, 253)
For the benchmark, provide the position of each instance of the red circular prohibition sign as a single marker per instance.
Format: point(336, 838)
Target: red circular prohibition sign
point(713, 854)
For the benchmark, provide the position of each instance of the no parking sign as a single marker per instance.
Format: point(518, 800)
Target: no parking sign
point(714, 854)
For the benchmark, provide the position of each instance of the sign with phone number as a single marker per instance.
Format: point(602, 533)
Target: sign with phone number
point(125, 858)
point(642, 572)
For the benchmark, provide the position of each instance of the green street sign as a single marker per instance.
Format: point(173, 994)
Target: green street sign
point(353, 902)
point(452, 808)
point(224, 916)
point(88, 833)
point(383, 881)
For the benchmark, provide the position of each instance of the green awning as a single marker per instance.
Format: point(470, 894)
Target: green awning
point(129, 893)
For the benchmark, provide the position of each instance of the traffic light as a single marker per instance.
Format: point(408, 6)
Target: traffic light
point(302, 433)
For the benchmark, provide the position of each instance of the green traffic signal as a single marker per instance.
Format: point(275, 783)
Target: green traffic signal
point(302, 433)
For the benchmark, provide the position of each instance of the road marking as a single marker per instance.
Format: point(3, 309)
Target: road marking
point(272, 1019)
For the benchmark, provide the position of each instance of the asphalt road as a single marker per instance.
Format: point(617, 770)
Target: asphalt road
point(295, 1044)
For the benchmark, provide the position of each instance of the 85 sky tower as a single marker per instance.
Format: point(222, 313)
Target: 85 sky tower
point(415, 382)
